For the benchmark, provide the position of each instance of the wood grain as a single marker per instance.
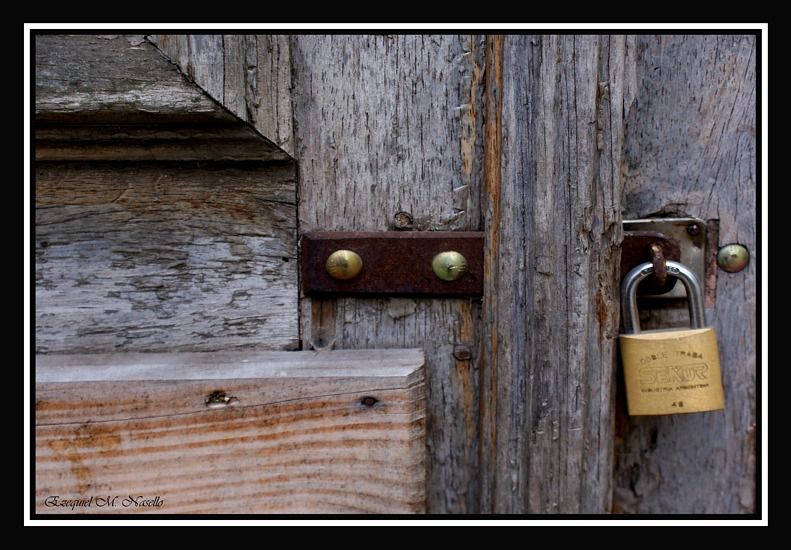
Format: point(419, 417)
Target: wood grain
point(171, 140)
point(554, 132)
point(114, 96)
point(389, 133)
point(296, 435)
point(388, 124)
point(690, 150)
point(165, 257)
point(250, 75)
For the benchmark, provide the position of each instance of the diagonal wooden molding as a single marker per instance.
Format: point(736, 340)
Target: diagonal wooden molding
point(250, 75)
point(113, 97)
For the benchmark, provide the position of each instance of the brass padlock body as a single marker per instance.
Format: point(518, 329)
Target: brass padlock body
point(672, 372)
point(669, 371)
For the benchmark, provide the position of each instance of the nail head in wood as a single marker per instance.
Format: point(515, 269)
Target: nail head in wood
point(449, 266)
point(344, 265)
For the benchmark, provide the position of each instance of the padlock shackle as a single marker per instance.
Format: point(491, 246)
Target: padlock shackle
point(631, 317)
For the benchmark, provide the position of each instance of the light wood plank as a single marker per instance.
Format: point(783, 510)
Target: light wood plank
point(690, 150)
point(388, 124)
point(550, 319)
point(165, 257)
point(296, 436)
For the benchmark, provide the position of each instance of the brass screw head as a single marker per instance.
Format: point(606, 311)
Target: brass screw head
point(449, 265)
point(733, 258)
point(344, 265)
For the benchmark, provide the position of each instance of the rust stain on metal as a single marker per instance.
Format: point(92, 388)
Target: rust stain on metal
point(394, 263)
point(637, 249)
point(660, 263)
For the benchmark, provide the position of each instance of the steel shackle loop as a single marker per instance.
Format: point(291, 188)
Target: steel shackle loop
point(631, 317)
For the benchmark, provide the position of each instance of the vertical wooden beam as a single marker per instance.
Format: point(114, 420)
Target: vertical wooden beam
point(690, 150)
point(550, 315)
point(389, 136)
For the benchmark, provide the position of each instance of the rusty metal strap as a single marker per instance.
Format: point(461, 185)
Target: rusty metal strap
point(394, 263)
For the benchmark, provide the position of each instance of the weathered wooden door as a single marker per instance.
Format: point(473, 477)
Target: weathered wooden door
point(544, 143)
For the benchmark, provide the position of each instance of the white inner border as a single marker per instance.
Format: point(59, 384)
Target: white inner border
point(763, 27)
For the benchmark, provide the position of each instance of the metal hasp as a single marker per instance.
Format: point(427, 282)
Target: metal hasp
point(683, 240)
point(643, 246)
point(394, 263)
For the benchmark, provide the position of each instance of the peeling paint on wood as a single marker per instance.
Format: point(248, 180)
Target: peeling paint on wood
point(135, 252)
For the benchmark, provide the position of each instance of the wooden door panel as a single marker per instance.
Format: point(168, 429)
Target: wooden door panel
point(164, 257)
point(389, 137)
point(690, 150)
point(168, 222)
point(162, 221)
point(388, 134)
point(554, 137)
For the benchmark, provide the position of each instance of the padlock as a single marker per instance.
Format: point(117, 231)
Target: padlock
point(669, 371)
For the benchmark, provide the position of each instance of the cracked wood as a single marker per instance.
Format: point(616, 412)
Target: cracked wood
point(117, 97)
point(389, 128)
point(250, 75)
point(690, 150)
point(165, 257)
point(550, 313)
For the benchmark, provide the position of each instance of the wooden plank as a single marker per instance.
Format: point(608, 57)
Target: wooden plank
point(87, 76)
point(165, 257)
point(126, 83)
point(390, 137)
point(301, 432)
point(690, 150)
point(250, 75)
point(554, 131)
point(175, 141)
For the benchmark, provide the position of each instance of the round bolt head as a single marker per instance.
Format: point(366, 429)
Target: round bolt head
point(733, 258)
point(449, 265)
point(344, 265)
